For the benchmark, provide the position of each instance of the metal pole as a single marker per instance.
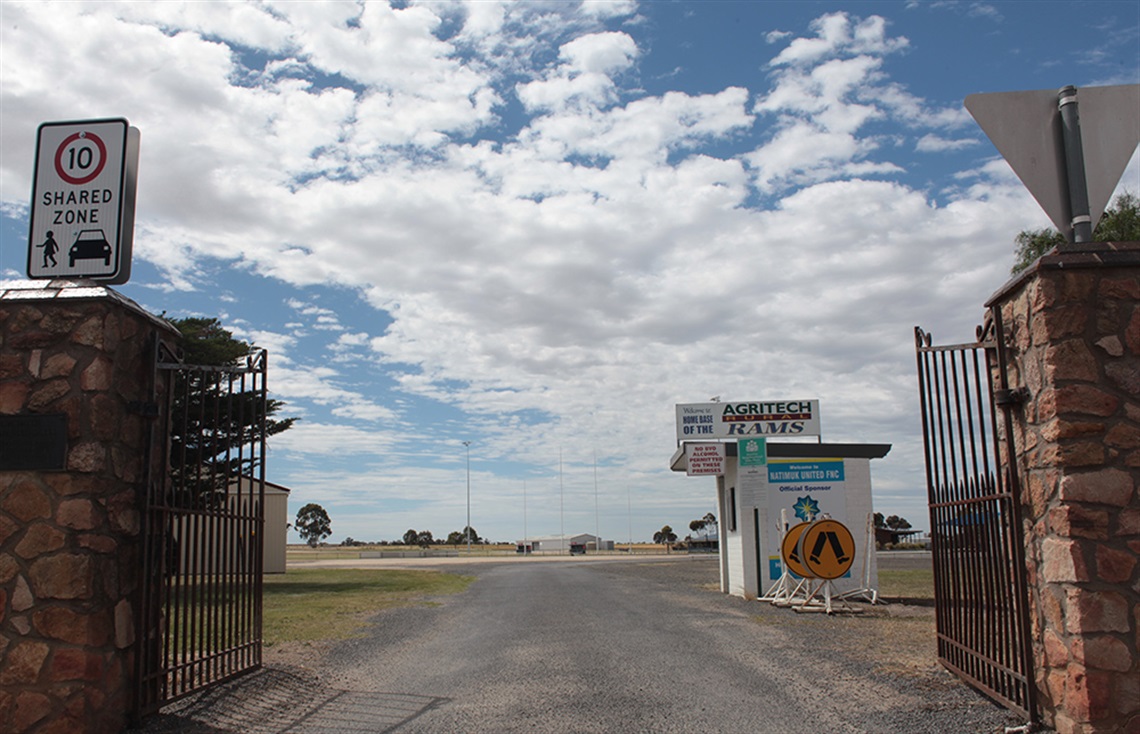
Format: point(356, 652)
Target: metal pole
point(467, 530)
point(629, 514)
point(561, 503)
point(1075, 166)
point(597, 521)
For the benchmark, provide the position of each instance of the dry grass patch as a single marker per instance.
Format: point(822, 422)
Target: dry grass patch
point(311, 604)
point(907, 585)
point(896, 636)
point(896, 644)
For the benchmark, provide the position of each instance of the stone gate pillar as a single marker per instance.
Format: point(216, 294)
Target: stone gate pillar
point(76, 389)
point(1072, 321)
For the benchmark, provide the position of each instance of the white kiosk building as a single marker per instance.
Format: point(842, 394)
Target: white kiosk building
point(761, 480)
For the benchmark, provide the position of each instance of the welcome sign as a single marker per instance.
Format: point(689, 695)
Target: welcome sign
point(751, 419)
point(805, 489)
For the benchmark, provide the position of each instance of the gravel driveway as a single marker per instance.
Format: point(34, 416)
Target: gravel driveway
point(603, 647)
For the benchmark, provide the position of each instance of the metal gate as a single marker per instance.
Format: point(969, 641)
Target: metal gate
point(202, 528)
point(979, 569)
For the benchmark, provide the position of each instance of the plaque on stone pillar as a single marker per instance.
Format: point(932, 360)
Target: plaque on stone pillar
point(33, 442)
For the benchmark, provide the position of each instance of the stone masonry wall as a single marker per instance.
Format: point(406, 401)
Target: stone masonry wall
point(69, 540)
point(1073, 322)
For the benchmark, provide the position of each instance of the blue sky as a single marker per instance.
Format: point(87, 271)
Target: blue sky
point(538, 226)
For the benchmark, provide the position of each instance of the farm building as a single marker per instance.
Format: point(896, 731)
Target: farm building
point(276, 526)
point(580, 543)
point(237, 557)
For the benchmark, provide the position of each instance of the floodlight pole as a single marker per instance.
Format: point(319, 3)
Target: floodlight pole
point(597, 516)
point(561, 504)
point(629, 514)
point(467, 530)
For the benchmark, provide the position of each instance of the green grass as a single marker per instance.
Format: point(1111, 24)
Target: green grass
point(310, 604)
point(907, 584)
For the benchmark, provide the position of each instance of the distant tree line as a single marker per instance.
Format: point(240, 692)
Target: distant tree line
point(425, 539)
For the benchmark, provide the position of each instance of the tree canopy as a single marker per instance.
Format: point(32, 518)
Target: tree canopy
point(210, 419)
point(313, 524)
point(703, 525)
point(665, 535)
point(207, 342)
point(893, 522)
point(459, 537)
point(1120, 223)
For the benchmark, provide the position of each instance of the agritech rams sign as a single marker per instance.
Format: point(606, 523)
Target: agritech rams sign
point(745, 419)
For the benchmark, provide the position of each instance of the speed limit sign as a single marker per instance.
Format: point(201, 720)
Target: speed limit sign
point(83, 200)
point(80, 158)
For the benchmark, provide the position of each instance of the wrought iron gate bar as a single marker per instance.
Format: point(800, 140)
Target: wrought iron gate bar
point(203, 529)
point(969, 500)
point(979, 575)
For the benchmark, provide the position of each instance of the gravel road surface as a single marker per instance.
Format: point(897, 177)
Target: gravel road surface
point(629, 646)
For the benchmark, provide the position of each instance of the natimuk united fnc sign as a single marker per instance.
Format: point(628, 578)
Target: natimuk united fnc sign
point(788, 418)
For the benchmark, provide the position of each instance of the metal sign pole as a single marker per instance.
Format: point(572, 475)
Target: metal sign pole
point(1082, 230)
point(867, 592)
point(781, 590)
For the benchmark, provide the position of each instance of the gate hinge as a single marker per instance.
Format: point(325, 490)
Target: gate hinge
point(1013, 396)
point(143, 408)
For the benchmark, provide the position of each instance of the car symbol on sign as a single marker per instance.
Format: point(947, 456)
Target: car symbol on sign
point(90, 244)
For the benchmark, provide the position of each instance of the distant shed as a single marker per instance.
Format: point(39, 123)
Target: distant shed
point(237, 555)
point(276, 526)
point(276, 530)
point(562, 543)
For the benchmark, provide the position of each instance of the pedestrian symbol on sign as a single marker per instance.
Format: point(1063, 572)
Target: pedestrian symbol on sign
point(827, 549)
point(50, 247)
point(790, 551)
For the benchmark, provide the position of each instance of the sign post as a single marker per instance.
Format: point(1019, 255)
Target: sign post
point(83, 200)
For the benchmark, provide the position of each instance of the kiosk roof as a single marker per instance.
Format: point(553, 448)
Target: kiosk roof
point(800, 451)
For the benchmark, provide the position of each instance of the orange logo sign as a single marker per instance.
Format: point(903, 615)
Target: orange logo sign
point(826, 548)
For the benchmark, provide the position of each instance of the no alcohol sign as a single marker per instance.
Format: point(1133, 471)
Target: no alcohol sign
point(83, 200)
